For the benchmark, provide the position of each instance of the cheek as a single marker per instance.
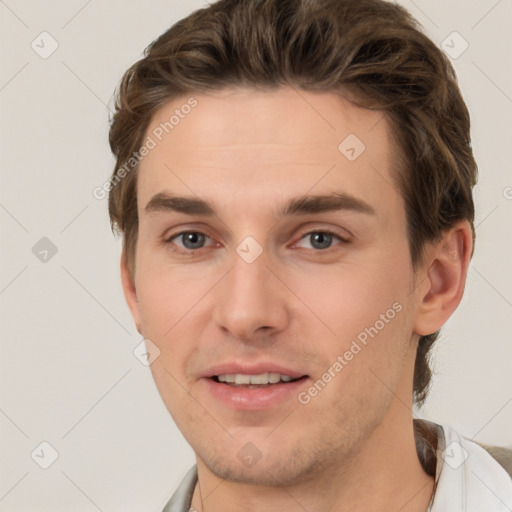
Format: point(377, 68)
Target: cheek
point(168, 293)
point(349, 299)
point(368, 324)
point(365, 361)
point(172, 387)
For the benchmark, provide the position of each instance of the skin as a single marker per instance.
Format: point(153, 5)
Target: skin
point(246, 151)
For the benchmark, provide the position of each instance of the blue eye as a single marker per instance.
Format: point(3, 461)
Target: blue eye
point(321, 240)
point(194, 240)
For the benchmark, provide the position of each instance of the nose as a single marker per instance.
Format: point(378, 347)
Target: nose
point(251, 302)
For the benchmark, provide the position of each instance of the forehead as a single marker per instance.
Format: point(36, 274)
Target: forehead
point(269, 144)
point(248, 116)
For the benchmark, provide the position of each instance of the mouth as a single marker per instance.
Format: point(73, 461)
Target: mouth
point(260, 381)
point(267, 391)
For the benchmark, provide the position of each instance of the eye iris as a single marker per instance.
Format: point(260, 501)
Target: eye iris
point(319, 239)
point(196, 239)
point(324, 239)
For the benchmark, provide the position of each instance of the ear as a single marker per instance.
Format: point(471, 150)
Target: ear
point(443, 281)
point(130, 293)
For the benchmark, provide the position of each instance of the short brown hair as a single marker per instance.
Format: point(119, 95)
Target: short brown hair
point(372, 52)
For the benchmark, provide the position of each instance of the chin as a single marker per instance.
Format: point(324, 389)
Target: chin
point(281, 468)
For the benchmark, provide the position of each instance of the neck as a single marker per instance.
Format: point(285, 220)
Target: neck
point(384, 474)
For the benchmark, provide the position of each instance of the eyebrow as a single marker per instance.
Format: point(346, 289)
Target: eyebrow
point(336, 201)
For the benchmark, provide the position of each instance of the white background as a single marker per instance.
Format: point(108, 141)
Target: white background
point(68, 375)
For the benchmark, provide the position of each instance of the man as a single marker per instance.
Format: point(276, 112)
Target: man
point(294, 189)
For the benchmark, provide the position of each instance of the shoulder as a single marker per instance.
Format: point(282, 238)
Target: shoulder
point(182, 497)
point(501, 454)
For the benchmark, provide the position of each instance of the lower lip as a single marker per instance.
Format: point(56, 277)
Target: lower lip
point(254, 399)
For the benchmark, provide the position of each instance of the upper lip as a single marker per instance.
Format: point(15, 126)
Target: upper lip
point(251, 369)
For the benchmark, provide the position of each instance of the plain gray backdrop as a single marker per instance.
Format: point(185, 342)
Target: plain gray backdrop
point(69, 378)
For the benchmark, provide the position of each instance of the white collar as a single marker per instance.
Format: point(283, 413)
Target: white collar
point(468, 478)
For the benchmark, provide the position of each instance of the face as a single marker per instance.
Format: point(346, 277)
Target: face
point(249, 279)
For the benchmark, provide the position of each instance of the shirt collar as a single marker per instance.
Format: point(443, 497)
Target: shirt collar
point(468, 478)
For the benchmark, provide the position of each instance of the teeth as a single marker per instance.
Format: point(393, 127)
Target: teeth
point(242, 379)
point(274, 377)
point(263, 378)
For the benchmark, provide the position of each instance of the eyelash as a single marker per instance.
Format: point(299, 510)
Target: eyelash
point(169, 240)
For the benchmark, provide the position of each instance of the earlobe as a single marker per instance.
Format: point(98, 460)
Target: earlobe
point(130, 293)
point(443, 286)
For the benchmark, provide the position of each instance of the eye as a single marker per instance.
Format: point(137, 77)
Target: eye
point(192, 240)
point(321, 240)
point(195, 240)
